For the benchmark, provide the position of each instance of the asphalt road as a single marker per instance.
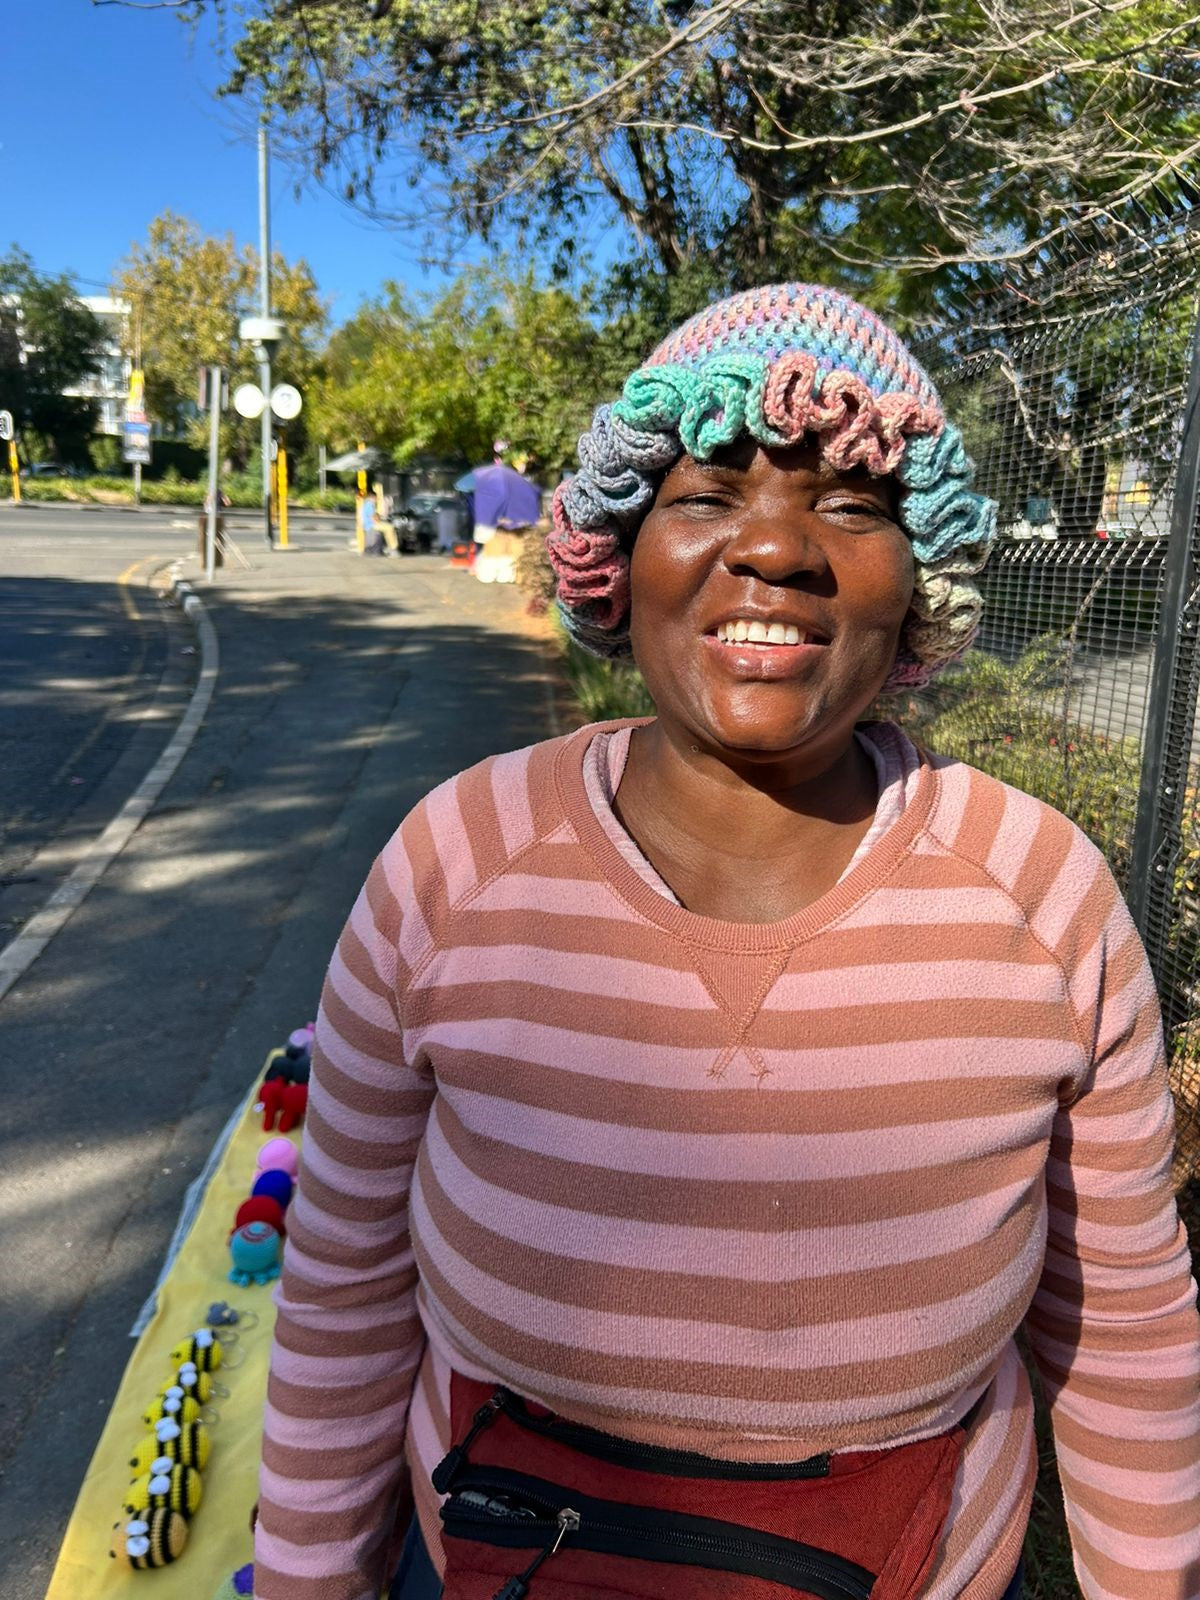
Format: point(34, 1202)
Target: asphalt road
point(347, 688)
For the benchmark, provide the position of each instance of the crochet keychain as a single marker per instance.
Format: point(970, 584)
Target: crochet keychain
point(284, 1091)
point(166, 1488)
point(256, 1240)
point(155, 1540)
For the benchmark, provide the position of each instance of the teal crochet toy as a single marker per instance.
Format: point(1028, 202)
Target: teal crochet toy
point(255, 1249)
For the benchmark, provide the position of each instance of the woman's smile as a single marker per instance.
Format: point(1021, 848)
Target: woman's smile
point(752, 648)
point(768, 596)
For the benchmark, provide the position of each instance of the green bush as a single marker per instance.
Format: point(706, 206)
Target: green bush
point(105, 452)
point(168, 492)
point(1011, 721)
point(605, 689)
point(172, 490)
point(324, 499)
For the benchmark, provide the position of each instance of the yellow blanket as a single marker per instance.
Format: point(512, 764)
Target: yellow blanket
point(219, 1539)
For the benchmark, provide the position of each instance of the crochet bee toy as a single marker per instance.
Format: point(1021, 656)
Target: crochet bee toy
point(180, 1408)
point(203, 1351)
point(189, 1444)
point(154, 1540)
point(168, 1486)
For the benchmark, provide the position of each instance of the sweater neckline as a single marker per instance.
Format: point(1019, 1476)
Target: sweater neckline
point(710, 932)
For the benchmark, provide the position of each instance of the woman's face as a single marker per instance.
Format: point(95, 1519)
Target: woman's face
point(768, 597)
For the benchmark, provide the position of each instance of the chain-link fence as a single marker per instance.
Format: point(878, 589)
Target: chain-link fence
point(1077, 385)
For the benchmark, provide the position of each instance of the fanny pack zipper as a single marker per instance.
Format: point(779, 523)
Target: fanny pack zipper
point(645, 1457)
point(481, 1509)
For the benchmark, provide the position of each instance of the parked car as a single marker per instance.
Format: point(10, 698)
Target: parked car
point(422, 509)
point(54, 469)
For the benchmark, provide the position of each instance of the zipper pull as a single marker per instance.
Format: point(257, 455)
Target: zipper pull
point(455, 1459)
point(517, 1588)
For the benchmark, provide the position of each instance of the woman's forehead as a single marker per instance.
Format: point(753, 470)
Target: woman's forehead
point(746, 454)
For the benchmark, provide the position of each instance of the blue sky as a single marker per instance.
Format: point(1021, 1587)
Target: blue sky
point(107, 117)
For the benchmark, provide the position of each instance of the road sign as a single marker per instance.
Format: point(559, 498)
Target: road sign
point(137, 443)
point(249, 400)
point(285, 402)
point(6, 426)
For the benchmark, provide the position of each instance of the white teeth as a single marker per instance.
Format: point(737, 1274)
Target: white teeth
point(742, 632)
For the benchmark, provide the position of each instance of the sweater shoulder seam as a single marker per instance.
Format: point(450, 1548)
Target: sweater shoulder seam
point(435, 943)
point(980, 866)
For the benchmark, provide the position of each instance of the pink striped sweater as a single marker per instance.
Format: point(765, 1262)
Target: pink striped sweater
point(756, 1190)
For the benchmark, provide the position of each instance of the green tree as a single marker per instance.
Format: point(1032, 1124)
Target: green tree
point(851, 138)
point(187, 292)
point(49, 341)
point(493, 355)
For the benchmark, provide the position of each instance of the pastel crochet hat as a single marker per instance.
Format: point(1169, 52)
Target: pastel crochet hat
point(778, 363)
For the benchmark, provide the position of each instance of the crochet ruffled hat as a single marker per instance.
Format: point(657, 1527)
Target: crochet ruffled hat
point(778, 363)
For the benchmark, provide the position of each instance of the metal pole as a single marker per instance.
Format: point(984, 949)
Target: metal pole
point(137, 483)
point(322, 475)
point(282, 469)
point(1171, 709)
point(359, 497)
point(264, 307)
point(214, 470)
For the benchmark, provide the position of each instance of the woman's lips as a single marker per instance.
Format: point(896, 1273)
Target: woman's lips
point(750, 660)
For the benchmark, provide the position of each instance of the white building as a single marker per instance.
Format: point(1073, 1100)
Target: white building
point(109, 385)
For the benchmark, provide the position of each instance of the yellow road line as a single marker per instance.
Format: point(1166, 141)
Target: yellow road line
point(123, 582)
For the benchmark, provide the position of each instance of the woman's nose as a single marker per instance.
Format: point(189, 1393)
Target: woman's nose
point(777, 546)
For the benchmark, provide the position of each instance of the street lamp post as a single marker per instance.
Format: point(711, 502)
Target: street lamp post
point(264, 310)
point(263, 333)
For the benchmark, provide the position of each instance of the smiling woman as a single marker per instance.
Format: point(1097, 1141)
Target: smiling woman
point(702, 1104)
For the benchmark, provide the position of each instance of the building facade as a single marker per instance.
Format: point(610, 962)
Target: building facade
point(108, 387)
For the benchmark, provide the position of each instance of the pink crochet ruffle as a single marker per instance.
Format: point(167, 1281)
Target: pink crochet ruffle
point(854, 426)
point(592, 568)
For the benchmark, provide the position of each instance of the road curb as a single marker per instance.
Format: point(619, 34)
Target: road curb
point(23, 950)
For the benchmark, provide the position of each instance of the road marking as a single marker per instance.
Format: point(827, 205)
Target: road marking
point(129, 679)
point(22, 951)
point(123, 582)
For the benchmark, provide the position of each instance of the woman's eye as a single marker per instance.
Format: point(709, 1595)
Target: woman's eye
point(703, 501)
point(856, 508)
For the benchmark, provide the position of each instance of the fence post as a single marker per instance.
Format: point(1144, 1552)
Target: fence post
point(1171, 710)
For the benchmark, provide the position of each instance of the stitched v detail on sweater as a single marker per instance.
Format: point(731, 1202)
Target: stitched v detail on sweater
point(739, 985)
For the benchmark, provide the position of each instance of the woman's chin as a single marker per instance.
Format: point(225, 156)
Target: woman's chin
point(750, 736)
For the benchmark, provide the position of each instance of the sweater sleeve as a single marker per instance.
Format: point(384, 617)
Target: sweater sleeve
point(1113, 1326)
point(348, 1339)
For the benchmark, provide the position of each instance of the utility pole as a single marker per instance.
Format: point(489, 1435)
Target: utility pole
point(211, 526)
point(264, 311)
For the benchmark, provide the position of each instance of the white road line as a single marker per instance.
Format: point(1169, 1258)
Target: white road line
point(22, 951)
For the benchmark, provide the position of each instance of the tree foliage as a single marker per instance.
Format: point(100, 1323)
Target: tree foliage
point(187, 291)
point(847, 138)
point(49, 341)
point(492, 356)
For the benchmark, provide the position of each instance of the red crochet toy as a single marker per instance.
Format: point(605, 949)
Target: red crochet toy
point(260, 1208)
point(285, 1101)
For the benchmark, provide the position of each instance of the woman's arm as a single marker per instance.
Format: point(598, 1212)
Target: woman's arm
point(348, 1339)
point(1113, 1326)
